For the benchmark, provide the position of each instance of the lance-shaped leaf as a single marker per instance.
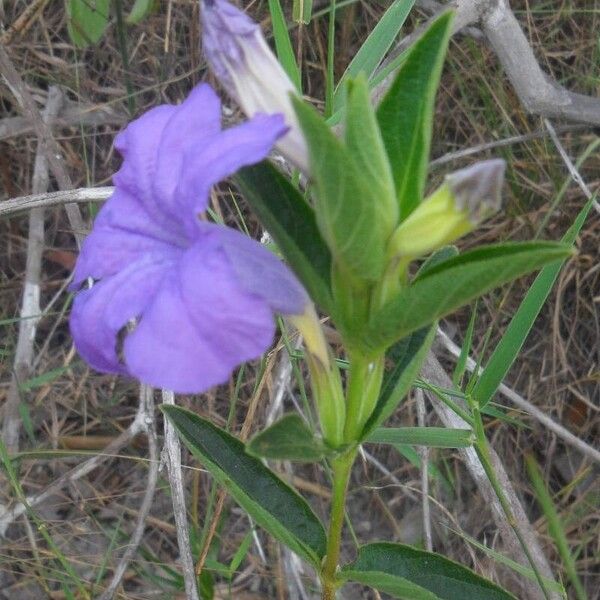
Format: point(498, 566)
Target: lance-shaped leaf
point(363, 140)
point(291, 222)
point(346, 209)
point(434, 437)
point(264, 496)
point(405, 114)
point(290, 438)
point(454, 283)
point(411, 574)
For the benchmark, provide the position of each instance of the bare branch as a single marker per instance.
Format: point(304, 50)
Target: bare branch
point(25, 203)
point(172, 453)
point(424, 452)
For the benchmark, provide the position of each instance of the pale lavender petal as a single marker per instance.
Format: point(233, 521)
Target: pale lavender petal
point(138, 144)
point(194, 122)
point(98, 314)
point(214, 159)
point(200, 325)
point(263, 274)
point(123, 233)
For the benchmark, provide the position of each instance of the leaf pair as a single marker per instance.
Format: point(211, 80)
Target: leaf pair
point(401, 571)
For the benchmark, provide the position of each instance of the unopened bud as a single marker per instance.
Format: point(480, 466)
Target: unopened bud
point(457, 207)
point(247, 68)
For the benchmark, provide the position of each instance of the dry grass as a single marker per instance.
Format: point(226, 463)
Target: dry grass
point(81, 410)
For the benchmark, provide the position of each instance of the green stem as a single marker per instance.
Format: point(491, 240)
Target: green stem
point(342, 467)
point(483, 452)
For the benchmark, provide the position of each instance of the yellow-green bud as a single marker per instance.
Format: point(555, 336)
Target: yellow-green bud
point(463, 201)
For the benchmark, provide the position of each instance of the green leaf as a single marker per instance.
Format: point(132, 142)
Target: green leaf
point(407, 355)
point(520, 325)
point(363, 140)
point(454, 283)
point(347, 212)
point(375, 47)
point(405, 114)
point(290, 438)
point(291, 222)
point(283, 45)
point(302, 11)
point(405, 572)
point(434, 437)
point(140, 10)
point(265, 497)
point(87, 20)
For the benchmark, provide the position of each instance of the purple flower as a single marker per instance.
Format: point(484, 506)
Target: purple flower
point(190, 300)
point(244, 64)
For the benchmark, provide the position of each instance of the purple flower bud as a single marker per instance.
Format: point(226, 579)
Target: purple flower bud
point(193, 299)
point(244, 64)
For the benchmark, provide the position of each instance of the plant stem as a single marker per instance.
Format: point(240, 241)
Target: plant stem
point(342, 467)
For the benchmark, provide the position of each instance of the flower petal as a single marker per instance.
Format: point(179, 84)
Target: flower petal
point(215, 158)
point(200, 326)
point(263, 274)
point(195, 120)
point(123, 233)
point(138, 144)
point(99, 313)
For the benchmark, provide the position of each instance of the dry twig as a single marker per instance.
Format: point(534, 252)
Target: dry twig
point(30, 305)
point(172, 457)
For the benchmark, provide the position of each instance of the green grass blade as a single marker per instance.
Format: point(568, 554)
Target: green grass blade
point(555, 526)
point(375, 47)
point(517, 331)
point(283, 44)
